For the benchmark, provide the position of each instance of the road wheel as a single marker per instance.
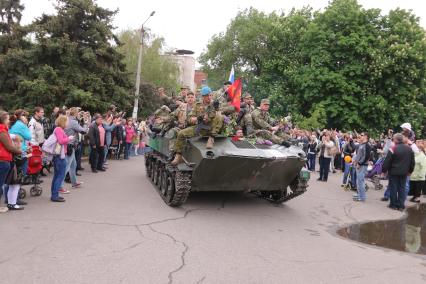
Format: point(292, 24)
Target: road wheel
point(33, 191)
point(22, 193)
point(170, 187)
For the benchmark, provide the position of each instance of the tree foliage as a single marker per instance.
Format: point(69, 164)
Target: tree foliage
point(157, 69)
point(71, 60)
point(366, 69)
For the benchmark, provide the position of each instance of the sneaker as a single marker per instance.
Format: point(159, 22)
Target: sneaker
point(359, 200)
point(59, 199)
point(64, 191)
point(77, 185)
point(4, 209)
point(14, 207)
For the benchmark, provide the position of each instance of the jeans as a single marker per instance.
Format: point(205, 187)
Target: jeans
point(71, 168)
point(59, 166)
point(407, 187)
point(4, 170)
point(78, 154)
point(360, 182)
point(97, 158)
point(127, 148)
point(106, 152)
point(397, 185)
point(351, 170)
point(311, 161)
point(324, 167)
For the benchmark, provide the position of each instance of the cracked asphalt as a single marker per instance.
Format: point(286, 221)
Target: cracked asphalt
point(116, 229)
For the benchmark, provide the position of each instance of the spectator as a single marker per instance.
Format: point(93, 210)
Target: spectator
point(59, 161)
point(73, 129)
point(399, 163)
point(312, 152)
point(130, 133)
point(119, 136)
point(19, 127)
point(361, 160)
point(97, 144)
point(109, 126)
point(417, 178)
point(325, 157)
point(349, 150)
point(13, 179)
point(408, 132)
point(36, 127)
point(7, 149)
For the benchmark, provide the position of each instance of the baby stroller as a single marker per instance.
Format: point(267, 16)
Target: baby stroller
point(114, 151)
point(35, 165)
point(374, 174)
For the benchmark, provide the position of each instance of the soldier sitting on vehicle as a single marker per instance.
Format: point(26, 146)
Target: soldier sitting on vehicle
point(182, 112)
point(205, 120)
point(263, 124)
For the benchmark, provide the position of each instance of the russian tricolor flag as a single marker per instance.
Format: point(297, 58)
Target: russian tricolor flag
point(232, 75)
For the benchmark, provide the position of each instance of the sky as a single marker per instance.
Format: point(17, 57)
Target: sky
point(189, 24)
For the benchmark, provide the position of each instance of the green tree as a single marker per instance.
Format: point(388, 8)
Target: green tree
point(366, 69)
point(157, 69)
point(73, 61)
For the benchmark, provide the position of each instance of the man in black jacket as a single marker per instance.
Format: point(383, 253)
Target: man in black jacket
point(97, 143)
point(399, 163)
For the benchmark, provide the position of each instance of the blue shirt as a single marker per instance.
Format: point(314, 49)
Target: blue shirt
point(19, 128)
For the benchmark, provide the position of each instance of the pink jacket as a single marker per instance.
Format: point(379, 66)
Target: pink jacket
point(62, 140)
point(130, 133)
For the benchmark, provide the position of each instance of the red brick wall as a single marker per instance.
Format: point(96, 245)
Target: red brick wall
point(199, 77)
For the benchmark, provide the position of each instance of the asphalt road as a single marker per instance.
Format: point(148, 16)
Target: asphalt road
point(118, 230)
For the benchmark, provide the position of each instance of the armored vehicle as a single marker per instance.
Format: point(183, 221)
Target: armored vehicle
point(271, 172)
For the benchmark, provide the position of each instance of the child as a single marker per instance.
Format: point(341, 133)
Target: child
point(239, 135)
point(12, 179)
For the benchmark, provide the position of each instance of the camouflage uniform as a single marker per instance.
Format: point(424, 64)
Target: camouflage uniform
point(181, 115)
point(164, 115)
point(211, 128)
point(262, 123)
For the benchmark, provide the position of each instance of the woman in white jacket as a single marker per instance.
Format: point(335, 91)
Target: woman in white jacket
point(325, 157)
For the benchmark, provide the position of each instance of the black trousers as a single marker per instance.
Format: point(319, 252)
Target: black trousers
point(324, 167)
point(397, 191)
point(416, 187)
point(96, 157)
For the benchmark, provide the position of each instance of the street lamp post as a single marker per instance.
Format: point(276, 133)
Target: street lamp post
point(138, 73)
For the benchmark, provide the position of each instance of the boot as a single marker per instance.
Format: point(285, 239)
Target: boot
point(210, 143)
point(178, 159)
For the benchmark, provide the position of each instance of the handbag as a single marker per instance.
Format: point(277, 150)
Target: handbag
point(70, 149)
point(58, 149)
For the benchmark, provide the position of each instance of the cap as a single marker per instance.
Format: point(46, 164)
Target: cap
point(184, 87)
point(246, 95)
point(265, 101)
point(406, 126)
point(205, 91)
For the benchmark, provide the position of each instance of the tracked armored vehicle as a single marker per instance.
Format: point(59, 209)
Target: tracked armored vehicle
point(271, 172)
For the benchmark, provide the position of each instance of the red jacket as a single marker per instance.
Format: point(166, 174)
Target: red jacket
point(5, 155)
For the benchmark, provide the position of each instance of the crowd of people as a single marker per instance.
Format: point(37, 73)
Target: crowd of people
point(65, 137)
point(68, 134)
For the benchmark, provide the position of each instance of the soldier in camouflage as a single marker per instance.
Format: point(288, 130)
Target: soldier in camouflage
point(205, 120)
point(263, 124)
point(181, 114)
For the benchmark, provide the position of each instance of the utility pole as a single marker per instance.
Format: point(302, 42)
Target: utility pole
point(138, 73)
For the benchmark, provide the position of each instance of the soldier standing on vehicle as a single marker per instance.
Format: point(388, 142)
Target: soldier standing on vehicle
point(263, 124)
point(205, 120)
point(163, 98)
